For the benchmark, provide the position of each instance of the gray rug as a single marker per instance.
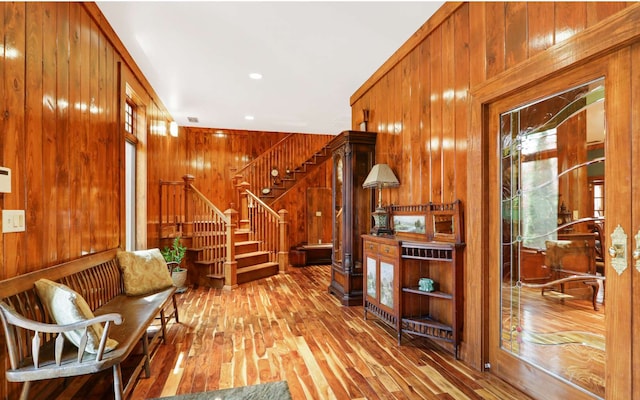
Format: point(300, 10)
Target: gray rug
point(270, 390)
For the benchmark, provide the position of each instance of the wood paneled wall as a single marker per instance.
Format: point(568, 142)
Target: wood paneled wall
point(419, 104)
point(213, 156)
point(58, 84)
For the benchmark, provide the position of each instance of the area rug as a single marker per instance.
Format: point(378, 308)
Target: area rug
point(270, 390)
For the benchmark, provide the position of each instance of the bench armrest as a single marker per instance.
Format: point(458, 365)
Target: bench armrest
point(15, 326)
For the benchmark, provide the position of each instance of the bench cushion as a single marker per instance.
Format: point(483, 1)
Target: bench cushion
point(66, 306)
point(144, 271)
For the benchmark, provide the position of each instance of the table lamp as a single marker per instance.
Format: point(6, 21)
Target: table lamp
point(380, 176)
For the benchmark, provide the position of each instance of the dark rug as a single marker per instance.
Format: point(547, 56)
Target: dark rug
point(270, 390)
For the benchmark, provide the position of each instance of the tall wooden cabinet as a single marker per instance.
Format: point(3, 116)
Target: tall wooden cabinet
point(353, 157)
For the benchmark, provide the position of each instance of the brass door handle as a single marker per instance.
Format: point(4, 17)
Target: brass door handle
point(618, 250)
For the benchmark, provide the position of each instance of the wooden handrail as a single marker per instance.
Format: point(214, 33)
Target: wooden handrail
point(289, 153)
point(263, 204)
point(210, 204)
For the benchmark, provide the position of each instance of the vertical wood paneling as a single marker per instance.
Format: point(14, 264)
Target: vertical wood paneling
point(4, 132)
point(599, 10)
point(461, 93)
point(540, 26)
point(515, 33)
point(571, 18)
point(62, 143)
point(34, 146)
point(75, 130)
point(83, 152)
point(435, 168)
point(425, 122)
point(495, 38)
point(414, 141)
point(49, 132)
point(449, 64)
point(14, 127)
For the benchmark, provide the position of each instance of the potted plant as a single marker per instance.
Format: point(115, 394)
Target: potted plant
point(173, 256)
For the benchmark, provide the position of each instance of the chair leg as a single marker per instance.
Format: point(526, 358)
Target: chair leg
point(117, 382)
point(163, 325)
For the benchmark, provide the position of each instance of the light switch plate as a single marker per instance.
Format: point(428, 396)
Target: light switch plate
point(13, 221)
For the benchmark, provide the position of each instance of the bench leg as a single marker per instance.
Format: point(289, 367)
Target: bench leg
point(24, 395)
point(175, 309)
point(117, 382)
point(163, 326)
point(145, 350)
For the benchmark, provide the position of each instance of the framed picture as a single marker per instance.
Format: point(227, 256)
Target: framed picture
point(410, 224)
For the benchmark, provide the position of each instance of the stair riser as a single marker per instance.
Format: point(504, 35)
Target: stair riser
point(258, 274)
point(257, 259)
point(246, 248)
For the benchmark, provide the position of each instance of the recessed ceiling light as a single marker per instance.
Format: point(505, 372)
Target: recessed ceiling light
point(249, 117)
point(255, 75)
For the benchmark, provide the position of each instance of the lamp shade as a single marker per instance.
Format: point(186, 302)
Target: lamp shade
point(380, 176)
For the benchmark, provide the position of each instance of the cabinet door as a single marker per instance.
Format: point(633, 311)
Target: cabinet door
point(371, 277)
point(388, 276)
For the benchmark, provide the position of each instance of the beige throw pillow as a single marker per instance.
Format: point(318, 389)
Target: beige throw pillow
point(144, 271)
point(66, 306)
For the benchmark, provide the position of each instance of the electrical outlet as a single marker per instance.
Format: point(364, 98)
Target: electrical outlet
point(13, 221)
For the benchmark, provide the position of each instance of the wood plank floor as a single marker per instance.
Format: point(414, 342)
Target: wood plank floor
point(288, 327)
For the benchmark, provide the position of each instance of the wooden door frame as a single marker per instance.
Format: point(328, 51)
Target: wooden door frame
point(602, 40)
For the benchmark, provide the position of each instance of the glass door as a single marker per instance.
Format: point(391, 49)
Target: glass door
point(552, 266)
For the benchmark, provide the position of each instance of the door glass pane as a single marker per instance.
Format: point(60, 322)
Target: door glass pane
point(551, 297)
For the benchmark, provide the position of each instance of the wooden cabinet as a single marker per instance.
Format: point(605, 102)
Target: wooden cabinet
point(353, 157)
point(392, 271)
point(382, 279)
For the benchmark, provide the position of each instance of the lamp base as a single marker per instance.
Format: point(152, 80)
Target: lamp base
point(381, 222)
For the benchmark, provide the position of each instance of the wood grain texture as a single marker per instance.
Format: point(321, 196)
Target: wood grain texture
point(515, 43)
point(287, 327)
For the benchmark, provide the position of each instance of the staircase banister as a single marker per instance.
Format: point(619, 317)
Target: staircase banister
point(263, 204)
point(264, 154)
point(210, 204)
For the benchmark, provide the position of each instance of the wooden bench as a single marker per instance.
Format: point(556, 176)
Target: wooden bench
point(36, 347)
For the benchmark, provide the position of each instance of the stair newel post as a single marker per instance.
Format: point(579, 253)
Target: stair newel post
point(235, 181)
point(230, 263)
point(244, 205)
point(283, 245)
point(187, 224)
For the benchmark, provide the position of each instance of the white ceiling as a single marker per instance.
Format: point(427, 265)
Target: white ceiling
point(313, 56)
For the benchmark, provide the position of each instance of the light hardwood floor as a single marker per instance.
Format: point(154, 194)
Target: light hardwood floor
point(288, 327)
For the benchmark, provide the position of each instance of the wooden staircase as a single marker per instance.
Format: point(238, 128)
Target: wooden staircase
point(253, 263)
point(281, 185)
point(249, 243)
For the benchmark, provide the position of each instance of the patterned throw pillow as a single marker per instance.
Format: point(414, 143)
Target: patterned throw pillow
point(66, 306)
point(144, 271)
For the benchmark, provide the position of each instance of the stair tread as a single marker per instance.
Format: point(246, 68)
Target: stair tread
point(251, 254)
point(247, 242)
point(255, 267)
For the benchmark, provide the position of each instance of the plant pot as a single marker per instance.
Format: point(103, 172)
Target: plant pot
point(179, 279)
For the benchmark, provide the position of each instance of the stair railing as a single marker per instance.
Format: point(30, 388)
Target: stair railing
point(266, 226)
point(288, 154)
point(185, 211)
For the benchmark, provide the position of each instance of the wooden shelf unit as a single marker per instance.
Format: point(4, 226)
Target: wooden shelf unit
point(392, 269)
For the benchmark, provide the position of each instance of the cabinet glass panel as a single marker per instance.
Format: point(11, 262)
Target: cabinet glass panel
point(372, 277)
point(338, 225)
point(386, 284)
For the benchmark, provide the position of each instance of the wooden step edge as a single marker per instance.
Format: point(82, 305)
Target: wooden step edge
point(215, 276)
point(247, 242)
point(256, 267)
point(251, 254)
